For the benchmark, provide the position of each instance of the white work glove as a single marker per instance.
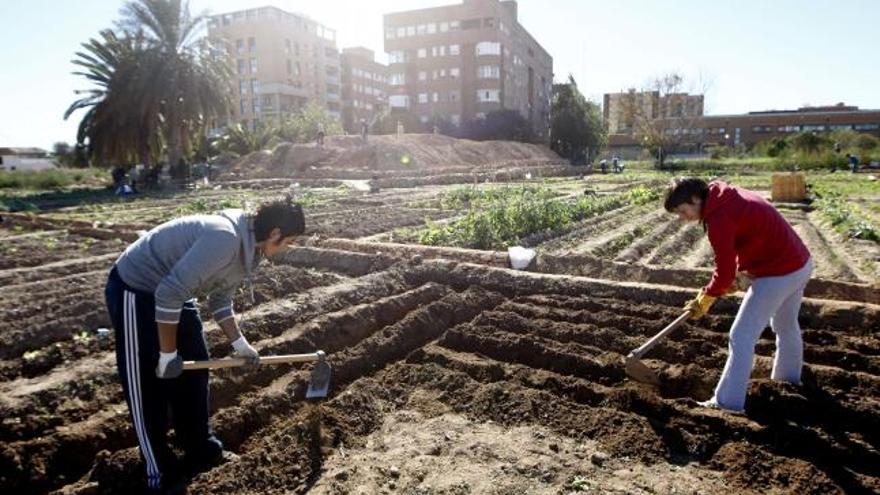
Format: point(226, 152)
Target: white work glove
point(170, 365)
point(244, 350)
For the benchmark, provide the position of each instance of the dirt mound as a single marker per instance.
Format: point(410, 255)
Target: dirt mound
point(410, 153)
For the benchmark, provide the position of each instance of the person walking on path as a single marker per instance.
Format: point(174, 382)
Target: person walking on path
point(747, 234)
point(365, 130)
point(320, 137)
point(149, 296)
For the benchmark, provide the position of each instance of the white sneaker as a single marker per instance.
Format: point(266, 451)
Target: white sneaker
point(711, 404)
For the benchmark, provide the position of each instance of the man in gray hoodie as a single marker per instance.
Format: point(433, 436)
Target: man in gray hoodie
point(150, 296)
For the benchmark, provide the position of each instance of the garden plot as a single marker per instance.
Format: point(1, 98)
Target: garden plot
point(501, 379)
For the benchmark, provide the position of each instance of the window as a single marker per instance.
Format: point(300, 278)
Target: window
point(252, 45)
point(242, 66)
point(396, 57)
point(488, 48)
point(424, 119)
point(255, 106)
point(253, 66)
point(401, 32)
point(242, 87)
point(436, 97)
point(866, 127)
point(267, 100)
point(242, 106)
point(239, 46)
point(397, 79)
point(410, 30)
point(421, 29)
point(814, 128)
point(389, 33)
point(422, 53)
point(455, 119)
point(488, 95)
point(255, 86)
point(454, 49)
point(444, 26)
point(432, 28)
point(423, 97)
point(489, 22)
point(454, 26)
point(289, 67)
point(287, 47)
point(423, 75)
point(454, 72)
point(399, 101)
point(454, 96)
point(488, 72)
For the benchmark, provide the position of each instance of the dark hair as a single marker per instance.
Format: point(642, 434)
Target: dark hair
point(283, 214)
point(682, 190)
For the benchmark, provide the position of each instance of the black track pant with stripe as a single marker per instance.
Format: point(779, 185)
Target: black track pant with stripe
point(150, 399)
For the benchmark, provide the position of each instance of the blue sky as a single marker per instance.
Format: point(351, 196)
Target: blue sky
point(751, 54)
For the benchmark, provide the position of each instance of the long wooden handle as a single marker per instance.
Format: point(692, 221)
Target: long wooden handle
point(213, 364)
point(647, 346)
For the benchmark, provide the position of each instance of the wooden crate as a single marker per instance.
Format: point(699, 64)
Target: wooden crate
point(788, 187)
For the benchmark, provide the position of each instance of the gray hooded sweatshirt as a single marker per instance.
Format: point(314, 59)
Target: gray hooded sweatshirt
point(208, 254)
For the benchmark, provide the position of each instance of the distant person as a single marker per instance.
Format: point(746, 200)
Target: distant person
point(118, 175)
point(614, 161)
point(399, 128)
point(150, 298)
point(374, 184)
point(365, 129)
point(748, 235)
point(603, 165)
point(320, 139)
point(853, 162)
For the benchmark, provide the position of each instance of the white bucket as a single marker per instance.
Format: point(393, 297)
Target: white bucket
point(520, 257)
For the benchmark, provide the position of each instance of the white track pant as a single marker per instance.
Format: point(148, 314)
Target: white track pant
point(773, 300)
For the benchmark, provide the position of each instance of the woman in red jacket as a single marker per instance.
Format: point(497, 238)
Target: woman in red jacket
point(747, 234)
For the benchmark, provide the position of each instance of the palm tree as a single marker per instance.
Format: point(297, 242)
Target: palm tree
point(240, 140)
point(114, 133)
point(158, 85)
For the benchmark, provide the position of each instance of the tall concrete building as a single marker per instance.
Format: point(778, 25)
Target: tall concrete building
point(622, 109)
point(460, 62)
point(364, 87)
point(282, 62)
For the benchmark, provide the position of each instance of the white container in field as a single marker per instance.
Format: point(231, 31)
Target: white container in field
point(520, 257)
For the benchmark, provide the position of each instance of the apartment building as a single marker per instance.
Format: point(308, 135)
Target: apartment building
point(622, 109)
point(751, 128)
point(364, 87)
point(459, 62)
point(282, 62)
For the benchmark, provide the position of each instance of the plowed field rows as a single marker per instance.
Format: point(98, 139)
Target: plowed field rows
point(451, 377)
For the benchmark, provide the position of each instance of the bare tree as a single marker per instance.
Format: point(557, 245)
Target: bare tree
point(664, 117)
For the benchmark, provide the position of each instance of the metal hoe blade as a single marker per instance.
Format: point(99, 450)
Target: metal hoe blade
point(319, 381)
point(638, 371)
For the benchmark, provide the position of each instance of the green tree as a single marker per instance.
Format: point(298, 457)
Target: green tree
point(239, 140)
point(157, 85)
point(386, 123)
point(576, 127)
point(302, 127)
point(499, 124)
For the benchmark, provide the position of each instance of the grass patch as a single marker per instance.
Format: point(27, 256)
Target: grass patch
point(58, 178)
point(846, 219)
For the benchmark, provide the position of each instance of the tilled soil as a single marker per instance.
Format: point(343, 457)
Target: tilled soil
point(456, 378)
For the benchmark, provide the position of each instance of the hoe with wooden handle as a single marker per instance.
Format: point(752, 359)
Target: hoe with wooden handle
point(319, 381)
point(635, 368)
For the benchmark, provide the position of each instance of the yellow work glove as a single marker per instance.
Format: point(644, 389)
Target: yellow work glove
point(699, 306)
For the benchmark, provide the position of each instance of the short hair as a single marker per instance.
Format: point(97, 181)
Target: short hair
point(682, 190)
point(280, 213)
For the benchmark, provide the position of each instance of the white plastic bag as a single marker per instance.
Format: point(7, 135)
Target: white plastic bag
point(520, 257)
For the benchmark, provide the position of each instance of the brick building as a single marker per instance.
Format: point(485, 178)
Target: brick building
point(282, 61)
point(364, 87)
point(753, 127)
point(459, 62)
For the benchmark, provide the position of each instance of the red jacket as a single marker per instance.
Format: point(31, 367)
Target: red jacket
point(748, 235)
